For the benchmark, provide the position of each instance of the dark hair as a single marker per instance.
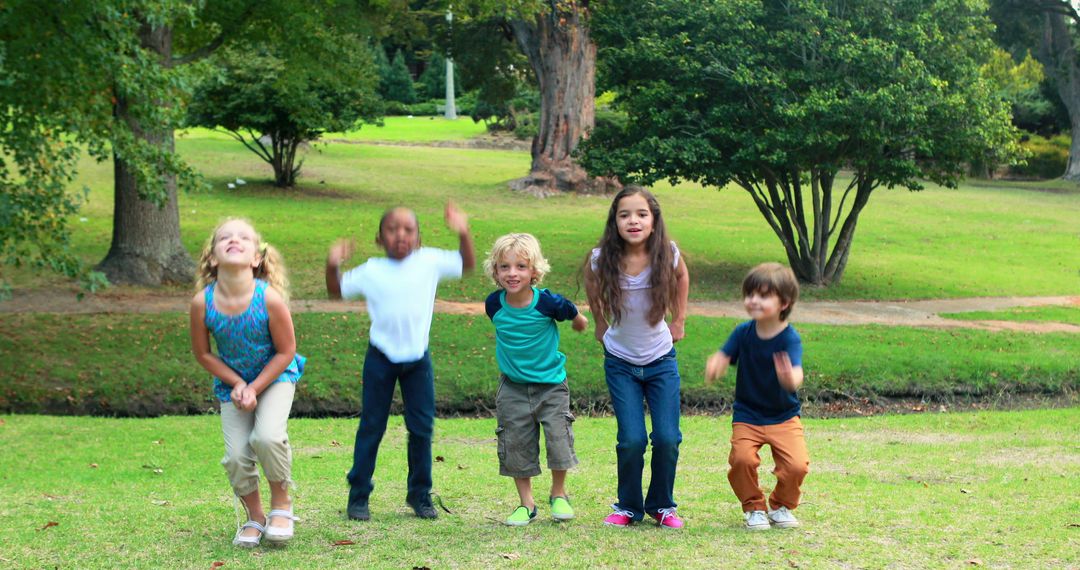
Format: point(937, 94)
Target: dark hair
point(609, 264)
point(391, 210)
point(773, 278)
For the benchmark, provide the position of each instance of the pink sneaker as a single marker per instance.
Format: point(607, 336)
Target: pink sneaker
point(619, 517)
point(666, 518)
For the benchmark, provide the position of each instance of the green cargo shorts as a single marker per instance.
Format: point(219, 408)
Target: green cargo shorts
point(521, 409)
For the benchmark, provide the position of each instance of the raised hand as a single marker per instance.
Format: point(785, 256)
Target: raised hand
point(456, 220)
point(341, 251)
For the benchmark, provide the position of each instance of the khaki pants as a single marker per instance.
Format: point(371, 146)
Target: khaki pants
point(789, 454)
point(260, 435)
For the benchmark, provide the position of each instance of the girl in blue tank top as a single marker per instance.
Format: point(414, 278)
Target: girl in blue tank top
point(242, 302)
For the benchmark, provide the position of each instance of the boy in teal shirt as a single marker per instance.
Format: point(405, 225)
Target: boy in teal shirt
point(532, 388)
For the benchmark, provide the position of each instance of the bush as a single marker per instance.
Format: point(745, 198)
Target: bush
point(1048, 159)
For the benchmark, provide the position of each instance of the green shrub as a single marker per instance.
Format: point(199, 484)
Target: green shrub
point(1048, 159)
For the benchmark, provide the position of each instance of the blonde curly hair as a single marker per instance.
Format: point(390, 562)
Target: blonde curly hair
point(271, 266)
point(525, 246)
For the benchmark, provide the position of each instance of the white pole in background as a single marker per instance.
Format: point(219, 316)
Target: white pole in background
point(451, 107)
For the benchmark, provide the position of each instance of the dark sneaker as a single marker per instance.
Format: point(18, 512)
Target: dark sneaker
point(423, 508)
point(358, 506)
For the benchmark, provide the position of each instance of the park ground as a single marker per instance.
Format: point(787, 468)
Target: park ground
point(929, 325)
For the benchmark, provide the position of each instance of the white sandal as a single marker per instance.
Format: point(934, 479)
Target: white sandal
point(277, 534)
point(249, 541)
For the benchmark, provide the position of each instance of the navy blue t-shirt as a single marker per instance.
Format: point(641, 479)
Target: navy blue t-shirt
point(759, 398)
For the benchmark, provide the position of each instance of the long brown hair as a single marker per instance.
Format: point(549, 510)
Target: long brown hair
point(609, 264)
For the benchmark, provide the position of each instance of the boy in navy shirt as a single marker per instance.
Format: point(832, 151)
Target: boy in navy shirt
point(768, 353)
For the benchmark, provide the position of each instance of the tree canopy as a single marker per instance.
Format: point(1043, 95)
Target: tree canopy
point(257, 94)
point(778, 97)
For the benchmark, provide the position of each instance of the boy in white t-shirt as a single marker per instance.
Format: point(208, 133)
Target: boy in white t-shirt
point(400, 293)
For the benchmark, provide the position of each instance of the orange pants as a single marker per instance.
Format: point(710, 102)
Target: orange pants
point(789, 454)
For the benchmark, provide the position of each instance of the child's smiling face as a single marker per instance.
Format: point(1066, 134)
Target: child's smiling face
point(399, 233)
point(764, 305)
point(514, 273)
point(236, 244)
point(634, 219)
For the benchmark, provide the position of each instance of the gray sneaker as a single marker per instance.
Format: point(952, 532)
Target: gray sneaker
point(783, 518)
point(756, 520)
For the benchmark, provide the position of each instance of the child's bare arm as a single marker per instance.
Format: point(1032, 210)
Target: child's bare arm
point(458, 222)
point(678, 312)
point(790, 377)
point(339, 253)
point(592, 291)
point(716, 367)
point(580, 322)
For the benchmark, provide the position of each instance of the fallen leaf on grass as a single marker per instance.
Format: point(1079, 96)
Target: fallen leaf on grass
point(2, 422)
point(161, 503)
point(792, 563)
point(153, 468)
point(420, 568)
point(342, 543)
point(159, 441)
point(335, 443)
point(93, 465)
point(49, 524)
point(1073, 525)
point(965, 491)
point(975, 562)
point(439, 459)
point(511, 555)
point(216, 564)
point(461, 466)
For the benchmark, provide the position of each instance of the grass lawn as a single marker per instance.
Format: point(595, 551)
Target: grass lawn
point(992, 240)
point(93, 366)
point(991, 489)
point(1068, 315)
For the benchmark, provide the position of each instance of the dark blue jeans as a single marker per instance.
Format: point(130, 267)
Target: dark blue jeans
point(418, 394)
point(657, 383)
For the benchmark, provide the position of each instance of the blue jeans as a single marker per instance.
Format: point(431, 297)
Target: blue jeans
point(657, 383)
point(418, 394)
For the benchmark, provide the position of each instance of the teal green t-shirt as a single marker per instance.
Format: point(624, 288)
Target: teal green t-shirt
point(527, 338)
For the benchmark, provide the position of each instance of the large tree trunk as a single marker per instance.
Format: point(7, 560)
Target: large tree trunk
point(563, 57)
point(1059, 59)
point(146, 247)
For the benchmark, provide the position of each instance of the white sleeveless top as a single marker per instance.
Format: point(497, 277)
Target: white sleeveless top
point(634, 339)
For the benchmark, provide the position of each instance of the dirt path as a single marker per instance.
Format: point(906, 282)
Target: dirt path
point(891, 313)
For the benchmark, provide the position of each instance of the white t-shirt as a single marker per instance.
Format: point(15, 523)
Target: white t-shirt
point(635, 339)
point(400, 298)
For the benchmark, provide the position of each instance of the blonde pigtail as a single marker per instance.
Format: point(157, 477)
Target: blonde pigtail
point(206, 272)
point(272, 269)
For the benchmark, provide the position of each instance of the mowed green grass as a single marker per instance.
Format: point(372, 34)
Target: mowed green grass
point(991, 240)
point(956, 490)
point(1067, 315)
point(95, 365)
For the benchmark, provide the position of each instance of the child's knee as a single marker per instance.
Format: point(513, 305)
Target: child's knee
point(743, 459)
point(264, 443)
point(794, 472)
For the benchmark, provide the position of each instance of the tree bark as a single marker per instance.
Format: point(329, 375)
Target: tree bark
point(1059, 59)
point(146, 247)
point(563, 57)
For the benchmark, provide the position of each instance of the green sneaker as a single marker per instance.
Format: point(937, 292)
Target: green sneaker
point(561, 509)
point(521, 516)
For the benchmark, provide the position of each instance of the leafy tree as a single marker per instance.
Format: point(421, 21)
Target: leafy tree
point(273, 107)
point(432, 80)
point(111, 77)
point(778, 96)
point(554, 37)
point(1052, 25)
point(396, 83)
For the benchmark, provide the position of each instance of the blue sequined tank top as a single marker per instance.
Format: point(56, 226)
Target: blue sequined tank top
point(243, 341)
